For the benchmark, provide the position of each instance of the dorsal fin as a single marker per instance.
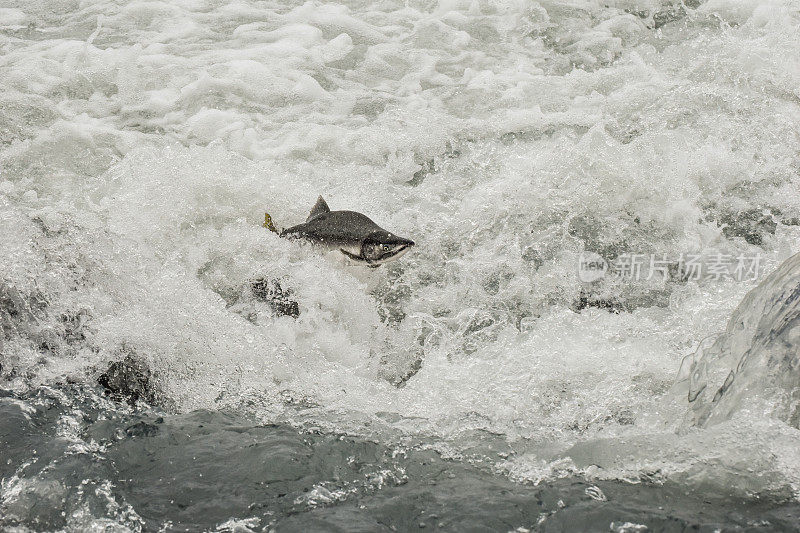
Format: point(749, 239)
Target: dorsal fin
point(319, 208)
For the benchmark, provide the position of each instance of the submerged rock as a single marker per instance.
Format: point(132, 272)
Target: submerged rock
point(752, 225)
point(144, 429)
point(586, 300)
point(278, 298)
point(129, 380)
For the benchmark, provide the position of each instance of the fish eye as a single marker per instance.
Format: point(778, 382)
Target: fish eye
point(385, 247)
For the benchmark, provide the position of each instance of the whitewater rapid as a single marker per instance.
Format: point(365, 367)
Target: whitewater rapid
point(142, 142)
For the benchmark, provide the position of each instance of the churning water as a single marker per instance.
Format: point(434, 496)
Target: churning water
point(478, 383)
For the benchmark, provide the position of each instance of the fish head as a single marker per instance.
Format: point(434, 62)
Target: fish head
point(382, 246)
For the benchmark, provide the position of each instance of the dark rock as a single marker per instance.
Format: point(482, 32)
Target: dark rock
point(426, 168)
point(74, 323)
point(392, 295)
point(534, 255)
point(586, 300)
point(20, 312)
point(753, 225)
point(416, 366)
point(665, 16)
point(278, 298)
point(129, 380)
point(142, 429)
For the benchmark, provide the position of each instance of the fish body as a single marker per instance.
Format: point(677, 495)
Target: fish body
point(355, 235)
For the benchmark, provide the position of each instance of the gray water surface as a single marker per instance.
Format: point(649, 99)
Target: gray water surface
point(86, 463)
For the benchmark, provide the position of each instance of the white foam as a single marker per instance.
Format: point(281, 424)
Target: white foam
point(139, 153)
point(11, 18)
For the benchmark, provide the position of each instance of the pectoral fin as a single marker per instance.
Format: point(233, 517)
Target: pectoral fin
point(354, 257)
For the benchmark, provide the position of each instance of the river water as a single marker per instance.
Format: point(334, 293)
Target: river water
point(481, 382)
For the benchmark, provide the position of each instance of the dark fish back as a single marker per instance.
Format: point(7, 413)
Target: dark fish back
point(334, 227)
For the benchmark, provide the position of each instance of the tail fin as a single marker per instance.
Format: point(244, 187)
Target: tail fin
point(268, 223)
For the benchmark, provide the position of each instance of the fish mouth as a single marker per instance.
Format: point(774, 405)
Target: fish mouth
point(377, 249)
point(397, 252)
point(400, 251)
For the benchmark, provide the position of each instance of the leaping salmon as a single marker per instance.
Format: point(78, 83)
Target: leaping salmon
point(354, 234)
